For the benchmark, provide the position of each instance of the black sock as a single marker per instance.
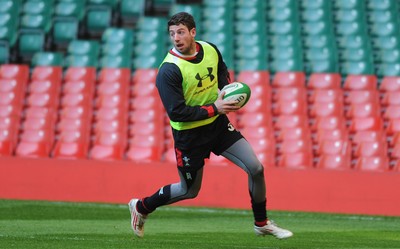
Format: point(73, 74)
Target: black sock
point(160, 198)
point(259, 212)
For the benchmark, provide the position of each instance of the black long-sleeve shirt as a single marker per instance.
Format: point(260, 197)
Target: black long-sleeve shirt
point(169, 84)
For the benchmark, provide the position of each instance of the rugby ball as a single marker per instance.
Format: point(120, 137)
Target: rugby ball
point(237, 91)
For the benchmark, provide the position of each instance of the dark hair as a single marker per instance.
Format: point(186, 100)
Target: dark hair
point(182, 18)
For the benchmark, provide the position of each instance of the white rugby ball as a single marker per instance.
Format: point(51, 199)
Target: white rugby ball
point(237, 91)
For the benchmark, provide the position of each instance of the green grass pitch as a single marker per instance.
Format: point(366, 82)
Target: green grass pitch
point(33, 224)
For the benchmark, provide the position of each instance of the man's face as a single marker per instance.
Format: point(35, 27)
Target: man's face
point(183, 39)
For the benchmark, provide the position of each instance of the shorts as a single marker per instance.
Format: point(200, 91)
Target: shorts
point(224, 136)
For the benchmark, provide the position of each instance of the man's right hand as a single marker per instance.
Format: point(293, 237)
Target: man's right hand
point(224, 106)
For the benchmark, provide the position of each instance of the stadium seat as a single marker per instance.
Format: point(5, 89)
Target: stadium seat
point(375, 164)
point(363, 110)
point(47, 59)
point(108, 146)
point(296, 161)
point(326, 96)
point(289, 94)
point(392, 112)
point(292, 107)
point(334, 162)
point(326, 109)
point(34, 143)
point(390, 83)
point(296, 133)
point(366, 124)
point(362, 97)
point(290, 121)
point(289, 79)
point(360, 82)
point(292, 146)
point(391, 98)
point(324, 81)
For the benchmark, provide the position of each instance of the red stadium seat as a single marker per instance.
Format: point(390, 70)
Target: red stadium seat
point(34, 143)
point(75, 87)
point(38, 124)
point(41, 86)
point(331, 135)
point(144, 154)
point(326, 95)
point(326, 109)
point(150, 140)
point(115, 74)
point(290, 93)
point(360, 82)
point(261, 91)
point(392, 112)
point(40, 112)
point(65, 150)
point(254, 119)
point(366, 124)
point(296, 161)
point(108, 146)
point(289, 107)
point(329, 123)
point(112, 101)
point(146, 116)
point(289, 79)
point(144, 89)
point(8, 111)
point(363, 110)
point(377, 164)
point(253, 78)
point(291, 121)
point(371, 149)
point(324, 81)
point(108, 113)
point(8, 85)
point(53, 74)
point(145, 76)
point(257, 105)
point(86, 74)
point(42, 100)
point(9, 123)
point(337, 162)
point(393, 127)
point(295, 146)
point(146, 103)
point(334, 147)
point(75, 99)
point(72, 144)
point(362, 97)
point(296, 133)
point(369, 136)
point(110, 125)
point(146, 129)
point(9, 98)
point(69, 124)
point(15, 71)
point(257, 132)
point(112, 88)
point(390, 84)
point(76, 112)
point(391, 98)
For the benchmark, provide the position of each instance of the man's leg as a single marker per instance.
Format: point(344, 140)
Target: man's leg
point(243, 155)
point(191, 175)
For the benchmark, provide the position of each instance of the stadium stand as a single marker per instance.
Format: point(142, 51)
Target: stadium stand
point(324, 77)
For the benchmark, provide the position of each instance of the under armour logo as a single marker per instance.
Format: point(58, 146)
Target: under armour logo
point(200, 79)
